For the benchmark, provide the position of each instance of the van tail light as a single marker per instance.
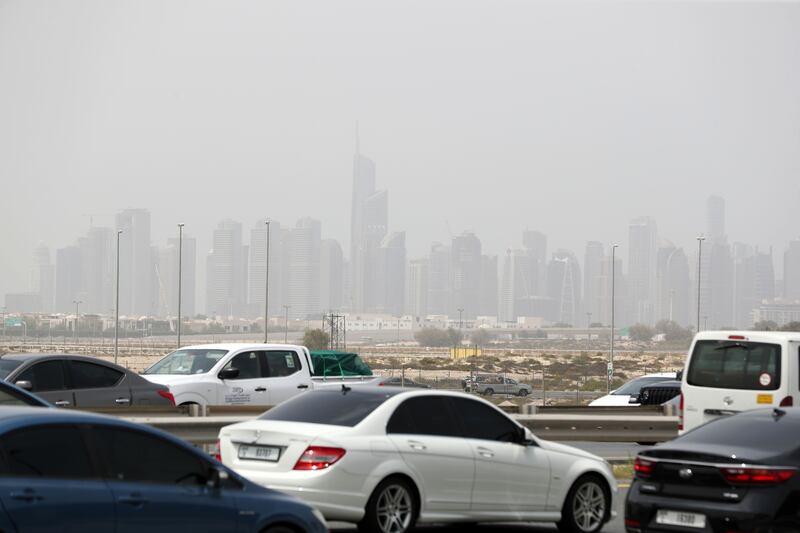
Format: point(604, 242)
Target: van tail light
point(168, 395)
point(756, 475)
point(318, 458)
point(643, 468)
point(217, 452)
point(787, 402)
point(680, 414)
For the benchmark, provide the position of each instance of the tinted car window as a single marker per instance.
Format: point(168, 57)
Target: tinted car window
point(424, 415)
point(44, 376)
point(329, 407)
point(185, 362)
point(282, 363)
point(248, 364)
point(479, 421)
point(12, 397)
point(633, 388)
point(46, 451)
point(135, 456)
point(7, 366)
point(90, 375)
point(735, 365)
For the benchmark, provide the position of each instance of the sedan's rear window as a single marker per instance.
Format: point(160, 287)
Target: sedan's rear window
point(735, 365)
point(333, 407)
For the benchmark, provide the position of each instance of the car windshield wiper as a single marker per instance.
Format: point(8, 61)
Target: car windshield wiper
point(733, 345)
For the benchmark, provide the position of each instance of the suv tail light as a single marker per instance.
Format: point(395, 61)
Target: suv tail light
point(787, 402)
point(757, 476)
point(318, 458)
point(168, 395)
point(642, 467)
point(680, 415)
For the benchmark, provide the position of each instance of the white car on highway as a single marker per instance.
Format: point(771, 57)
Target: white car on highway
point(623, 395)
point(387, 458)
point(241, 374)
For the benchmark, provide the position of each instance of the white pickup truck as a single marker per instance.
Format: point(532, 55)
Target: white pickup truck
point(241, 374)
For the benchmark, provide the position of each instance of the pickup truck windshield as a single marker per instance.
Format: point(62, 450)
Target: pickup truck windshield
point(187, 362)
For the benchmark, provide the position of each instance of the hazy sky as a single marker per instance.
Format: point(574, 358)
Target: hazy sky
point(567, 117)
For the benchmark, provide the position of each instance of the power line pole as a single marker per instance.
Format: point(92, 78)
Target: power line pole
point(116, 310)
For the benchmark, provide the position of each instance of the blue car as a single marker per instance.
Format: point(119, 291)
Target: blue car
point(76, 472)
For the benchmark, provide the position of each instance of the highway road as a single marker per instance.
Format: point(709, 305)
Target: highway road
point(615, 526)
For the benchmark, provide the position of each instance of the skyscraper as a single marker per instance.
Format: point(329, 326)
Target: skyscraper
point(257, 269)
point(68, 278)
point(535, 245)
point(715, 218)
point(791, 272)
point(487, 305)
point(331, 287)
point(754, 282)
point(303, 273)
point(135, 263)
point(592, 272)
point(167, 275)
point(643, 239)
point(439, 280)
point(465, 275)
point(417, 293)
point(98, 270)
point(368, 226)
point(391, 273)
point(226, 272)
point(42, 278)
point(564, 286)
point(673, 285)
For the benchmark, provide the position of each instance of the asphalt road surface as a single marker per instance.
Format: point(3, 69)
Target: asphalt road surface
point(614, 526)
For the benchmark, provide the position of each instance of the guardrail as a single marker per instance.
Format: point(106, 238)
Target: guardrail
point(200, 425)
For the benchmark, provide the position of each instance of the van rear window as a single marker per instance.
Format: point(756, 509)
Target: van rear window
point(728, 364)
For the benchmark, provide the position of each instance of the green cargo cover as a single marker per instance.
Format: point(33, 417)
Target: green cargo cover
point(332, 363)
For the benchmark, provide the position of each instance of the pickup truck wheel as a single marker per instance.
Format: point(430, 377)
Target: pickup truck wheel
point(488, 392)
point(522, 393)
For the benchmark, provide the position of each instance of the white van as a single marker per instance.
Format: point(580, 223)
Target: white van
point(731, 371)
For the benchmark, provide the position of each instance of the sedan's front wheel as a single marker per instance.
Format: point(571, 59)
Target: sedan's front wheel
point(586, 507)
point(392, 508)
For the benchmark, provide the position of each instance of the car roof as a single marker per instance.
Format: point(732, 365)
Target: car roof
point(231, 346)
point(22, 357)
point(755, 336)
point(658, 375)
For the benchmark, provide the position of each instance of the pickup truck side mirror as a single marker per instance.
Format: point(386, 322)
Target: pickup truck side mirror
point(229, 373)
point(27, 385)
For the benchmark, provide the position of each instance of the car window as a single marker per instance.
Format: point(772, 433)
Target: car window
point(12, 398)
point(46, 451)
point(281, 364)
point(632, 388)
point(735, 365)
point(330, 406)
point(424, 415)
point(248, 364)
point(479, 421)
point(137, 456)
point(7, 366)
point(87, 375)
point(44, 376)
point(185, 362)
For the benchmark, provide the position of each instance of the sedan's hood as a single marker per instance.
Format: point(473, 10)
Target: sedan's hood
point(612, 400)
point(174, 379)
point(569, 450)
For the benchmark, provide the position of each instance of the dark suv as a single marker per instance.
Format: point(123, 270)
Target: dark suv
point(658, 393)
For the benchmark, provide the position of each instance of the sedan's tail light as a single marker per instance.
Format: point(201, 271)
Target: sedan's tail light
point(218, 452)
point(757, 476)
point(168, 395)
point(318, 458)
point(642, 467)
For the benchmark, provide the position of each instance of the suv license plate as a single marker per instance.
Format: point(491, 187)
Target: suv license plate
point(259, 453)
point(680, 518)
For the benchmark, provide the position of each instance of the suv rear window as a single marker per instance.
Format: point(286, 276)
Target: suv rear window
point(728, 364)
point(332, 407)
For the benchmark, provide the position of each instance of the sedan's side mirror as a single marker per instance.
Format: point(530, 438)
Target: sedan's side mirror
point(217, 477)
point(229, 373)
point(24, 384)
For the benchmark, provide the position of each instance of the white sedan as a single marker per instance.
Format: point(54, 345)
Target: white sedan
point(388, 458)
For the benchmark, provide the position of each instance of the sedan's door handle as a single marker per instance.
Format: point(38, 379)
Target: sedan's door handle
point(302, 386)
point(485, 452)
point(61, 403)
point(134, 499)
point(27, 495)
point(416, 445)
point(261, 389)
point(122, 401)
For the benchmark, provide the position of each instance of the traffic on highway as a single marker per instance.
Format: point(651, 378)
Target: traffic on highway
point(355, 450)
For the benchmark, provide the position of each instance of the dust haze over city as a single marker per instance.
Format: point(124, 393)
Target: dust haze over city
point(572, 119)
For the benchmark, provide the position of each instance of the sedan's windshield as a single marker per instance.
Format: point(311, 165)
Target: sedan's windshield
point(7, 366)
point(632, 388)
point(186, 362)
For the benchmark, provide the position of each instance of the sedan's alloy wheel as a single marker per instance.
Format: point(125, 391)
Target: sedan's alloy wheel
point(589, 506)
point(394, 509)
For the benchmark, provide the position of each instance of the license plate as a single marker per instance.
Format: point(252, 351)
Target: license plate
point(259, 453)
point(680, 518)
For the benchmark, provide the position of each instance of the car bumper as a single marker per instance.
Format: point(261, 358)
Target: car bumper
point(759, 511)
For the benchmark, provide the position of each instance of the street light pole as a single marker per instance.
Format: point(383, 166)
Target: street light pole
point(286, 323)
point(460, 313)
point(75, 333)
point(180, 278)
point(700, 240)
point(266, 292)
point(116, 307)
point(610, 371)
point(588, 329)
